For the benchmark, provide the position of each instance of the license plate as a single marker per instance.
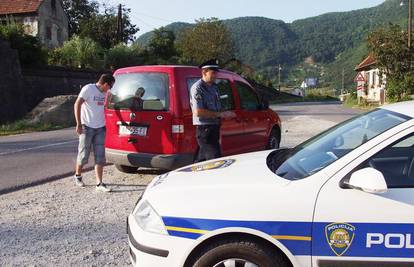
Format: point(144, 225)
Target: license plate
point(132, 130)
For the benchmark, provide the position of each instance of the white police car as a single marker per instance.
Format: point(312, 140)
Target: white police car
point(342, 198)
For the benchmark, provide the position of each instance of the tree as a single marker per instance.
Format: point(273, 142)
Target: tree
point(208, 39)
point(29, 48)
point(389, 47)
point(102, 28)
point(78, 52)
point(162, 45)
point(122, 55)
point(78, 11)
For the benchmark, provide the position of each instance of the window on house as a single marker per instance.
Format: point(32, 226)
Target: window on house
point(48, 33)
point(59, 35)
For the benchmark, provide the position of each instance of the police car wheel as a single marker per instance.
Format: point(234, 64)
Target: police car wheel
point(126, 169)
point(274, 140)
point(238, 252)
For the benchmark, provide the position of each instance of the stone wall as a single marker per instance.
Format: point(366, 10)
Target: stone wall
point(53, 81)
point(12, 101)
point(22, 89)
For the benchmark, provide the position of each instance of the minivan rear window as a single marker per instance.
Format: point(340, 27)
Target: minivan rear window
point(140, 91)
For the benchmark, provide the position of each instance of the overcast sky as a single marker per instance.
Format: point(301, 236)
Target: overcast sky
point(151, 14)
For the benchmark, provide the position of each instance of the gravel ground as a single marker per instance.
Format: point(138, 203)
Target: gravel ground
point(58, 224)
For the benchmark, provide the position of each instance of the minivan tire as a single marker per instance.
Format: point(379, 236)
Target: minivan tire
point(274, 139)
point(126, 169)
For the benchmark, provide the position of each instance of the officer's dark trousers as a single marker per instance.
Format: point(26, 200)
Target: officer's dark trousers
point(208, 142)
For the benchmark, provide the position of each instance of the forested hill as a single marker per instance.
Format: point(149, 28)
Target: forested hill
point(326, 39)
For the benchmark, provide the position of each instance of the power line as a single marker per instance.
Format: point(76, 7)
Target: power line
point(153, 17)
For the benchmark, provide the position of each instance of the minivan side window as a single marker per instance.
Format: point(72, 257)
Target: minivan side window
point(248, 98)
point(225, 91)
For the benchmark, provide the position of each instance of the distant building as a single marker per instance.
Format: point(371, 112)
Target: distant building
point(45, 19)
point(370, 85)
point(311, 82)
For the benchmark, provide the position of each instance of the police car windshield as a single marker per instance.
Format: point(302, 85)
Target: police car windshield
point(320, 151)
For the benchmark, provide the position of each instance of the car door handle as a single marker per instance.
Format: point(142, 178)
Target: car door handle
point(132, 140)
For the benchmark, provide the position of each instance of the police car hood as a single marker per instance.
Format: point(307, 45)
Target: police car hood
point(220, 178)
point(243, 170)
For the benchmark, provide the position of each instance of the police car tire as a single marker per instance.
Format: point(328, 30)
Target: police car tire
point(126, 169)
point(261, 255)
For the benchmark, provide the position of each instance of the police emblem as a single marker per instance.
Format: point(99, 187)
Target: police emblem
point(339, 237)
point(219, 164)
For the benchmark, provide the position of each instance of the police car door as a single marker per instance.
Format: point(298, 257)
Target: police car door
point(353, 227)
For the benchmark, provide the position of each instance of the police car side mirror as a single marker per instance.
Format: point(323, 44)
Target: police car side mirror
point(368, 180)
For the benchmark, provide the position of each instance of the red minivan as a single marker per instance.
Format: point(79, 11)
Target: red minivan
point(149, 119)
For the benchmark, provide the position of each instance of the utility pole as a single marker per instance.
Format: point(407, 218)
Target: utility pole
point(119, 26)
point(410, 21)
point(343, 81)
point(279, 69)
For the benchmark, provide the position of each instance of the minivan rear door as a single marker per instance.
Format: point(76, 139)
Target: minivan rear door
point(138, 117)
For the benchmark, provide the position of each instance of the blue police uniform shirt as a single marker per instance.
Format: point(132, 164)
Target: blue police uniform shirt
point(204, 96)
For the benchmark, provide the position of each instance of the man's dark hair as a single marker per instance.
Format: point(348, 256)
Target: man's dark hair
point(106, 78)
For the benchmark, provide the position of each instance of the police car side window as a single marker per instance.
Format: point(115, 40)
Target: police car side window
point(248, 98)
point(396, 163)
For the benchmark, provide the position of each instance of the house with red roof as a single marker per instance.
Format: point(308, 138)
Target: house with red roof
point(45, 19)
point(371, 85)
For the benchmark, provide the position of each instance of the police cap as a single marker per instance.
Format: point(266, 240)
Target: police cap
point(212, 64)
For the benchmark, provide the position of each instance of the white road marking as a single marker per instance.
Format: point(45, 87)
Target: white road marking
point(38, 147)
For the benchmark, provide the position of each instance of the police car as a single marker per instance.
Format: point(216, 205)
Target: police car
point(342, 198)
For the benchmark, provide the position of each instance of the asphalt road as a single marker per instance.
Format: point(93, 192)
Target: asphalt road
point(28, 159)
point(34, 158)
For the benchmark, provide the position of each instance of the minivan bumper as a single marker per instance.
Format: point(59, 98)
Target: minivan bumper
point(148, 160)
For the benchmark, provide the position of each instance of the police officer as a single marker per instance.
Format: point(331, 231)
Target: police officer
point(205, 104)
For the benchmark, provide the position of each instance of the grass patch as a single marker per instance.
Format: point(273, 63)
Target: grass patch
point(25, 126)
point(352, 102)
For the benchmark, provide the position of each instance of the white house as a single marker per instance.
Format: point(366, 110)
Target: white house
point(45, 19)
point(371, 86)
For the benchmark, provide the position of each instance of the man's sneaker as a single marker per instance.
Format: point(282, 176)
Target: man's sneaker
point(78, 181)
point(103, 188)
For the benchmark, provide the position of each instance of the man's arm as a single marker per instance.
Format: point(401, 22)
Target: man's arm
point(205, 113)
point(77, 110)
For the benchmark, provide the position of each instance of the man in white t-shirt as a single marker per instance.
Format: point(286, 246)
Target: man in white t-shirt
point(90, 126)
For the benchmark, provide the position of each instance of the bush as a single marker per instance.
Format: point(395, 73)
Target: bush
point(352, 99)
point(399, 89)
point(29, 48)
point(79, 53)
point(124, 56)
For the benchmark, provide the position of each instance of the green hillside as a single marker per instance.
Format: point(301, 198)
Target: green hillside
point(327, 43)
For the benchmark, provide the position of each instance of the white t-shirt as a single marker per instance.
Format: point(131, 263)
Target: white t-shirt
point(92, 110)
